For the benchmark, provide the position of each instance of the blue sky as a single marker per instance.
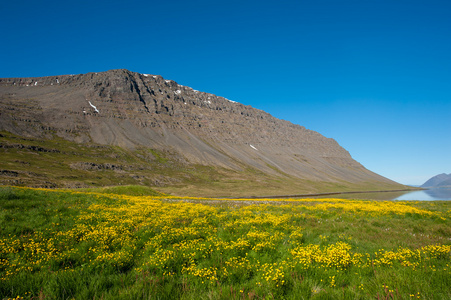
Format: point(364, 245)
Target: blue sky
point(375, 75)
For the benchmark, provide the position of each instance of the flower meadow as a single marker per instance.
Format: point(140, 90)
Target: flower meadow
point(61, 244)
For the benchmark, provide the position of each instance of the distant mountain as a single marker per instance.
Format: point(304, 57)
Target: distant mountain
point(439, 180)
point(171, 133)
point(445, 183)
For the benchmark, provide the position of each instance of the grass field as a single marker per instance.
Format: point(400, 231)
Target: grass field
point(121, 243)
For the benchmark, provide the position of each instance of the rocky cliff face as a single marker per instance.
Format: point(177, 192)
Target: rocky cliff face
point(130, 110)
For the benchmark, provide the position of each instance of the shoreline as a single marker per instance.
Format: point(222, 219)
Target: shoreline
point(326, 194)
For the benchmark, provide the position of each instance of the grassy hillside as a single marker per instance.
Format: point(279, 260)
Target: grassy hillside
point(58, 163)
point(89, 245)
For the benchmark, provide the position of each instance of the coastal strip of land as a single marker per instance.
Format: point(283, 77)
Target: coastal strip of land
point(326, 194)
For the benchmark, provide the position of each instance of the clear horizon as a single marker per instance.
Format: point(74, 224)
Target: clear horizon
point(373, 75)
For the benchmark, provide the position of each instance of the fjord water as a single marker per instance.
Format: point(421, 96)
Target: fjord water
point(433, 194)
point(427, 195)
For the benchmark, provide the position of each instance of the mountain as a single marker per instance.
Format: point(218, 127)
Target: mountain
point(194, 142)
point(439, 180)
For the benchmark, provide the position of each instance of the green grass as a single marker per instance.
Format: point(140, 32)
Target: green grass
point(132, 190)
point(132, 243)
